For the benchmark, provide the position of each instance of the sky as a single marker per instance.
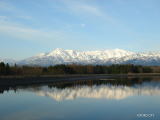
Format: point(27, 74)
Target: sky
point(30, 27)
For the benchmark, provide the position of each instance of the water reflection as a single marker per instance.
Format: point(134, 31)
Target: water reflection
point(107, 99)
point(110, 89)
point(98, 92)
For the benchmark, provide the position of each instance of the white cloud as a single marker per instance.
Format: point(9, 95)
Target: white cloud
point(93, 10)
point(83, 8)
point(5, 6)
point(25, 33)
point(25, 17)
point(3, 18)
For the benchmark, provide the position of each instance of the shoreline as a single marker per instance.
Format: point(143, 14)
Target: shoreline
point(73, 75)
point(26, 80)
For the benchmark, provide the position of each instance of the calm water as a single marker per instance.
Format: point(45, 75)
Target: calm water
point(122, 99)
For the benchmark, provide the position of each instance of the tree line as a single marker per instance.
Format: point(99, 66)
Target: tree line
point(6, 69)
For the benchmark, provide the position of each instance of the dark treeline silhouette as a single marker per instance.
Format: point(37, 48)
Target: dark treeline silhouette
point(5, 69)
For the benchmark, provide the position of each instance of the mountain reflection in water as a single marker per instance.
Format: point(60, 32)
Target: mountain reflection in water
point(98, 92)
point(114, 89)
point(107, 99)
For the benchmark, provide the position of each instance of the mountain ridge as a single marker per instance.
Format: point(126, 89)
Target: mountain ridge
point(98, 57)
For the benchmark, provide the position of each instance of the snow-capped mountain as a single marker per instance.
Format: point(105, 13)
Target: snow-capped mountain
point(60, 56)
point(100, 57)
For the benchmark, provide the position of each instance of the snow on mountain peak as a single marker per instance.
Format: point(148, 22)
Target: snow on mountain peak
point(99, 57)
point(61, 56)
point(74, 53)
point(56, 51)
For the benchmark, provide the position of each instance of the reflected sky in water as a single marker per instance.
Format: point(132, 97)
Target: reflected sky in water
point(95, 100)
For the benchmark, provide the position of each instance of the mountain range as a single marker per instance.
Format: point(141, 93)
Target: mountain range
point(99, 57)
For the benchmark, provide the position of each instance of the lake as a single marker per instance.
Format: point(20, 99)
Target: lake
point(135, 98)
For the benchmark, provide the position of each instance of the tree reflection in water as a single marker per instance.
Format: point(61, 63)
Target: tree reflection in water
point(105, 88)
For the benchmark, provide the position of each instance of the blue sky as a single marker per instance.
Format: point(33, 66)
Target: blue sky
point(28, 27)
